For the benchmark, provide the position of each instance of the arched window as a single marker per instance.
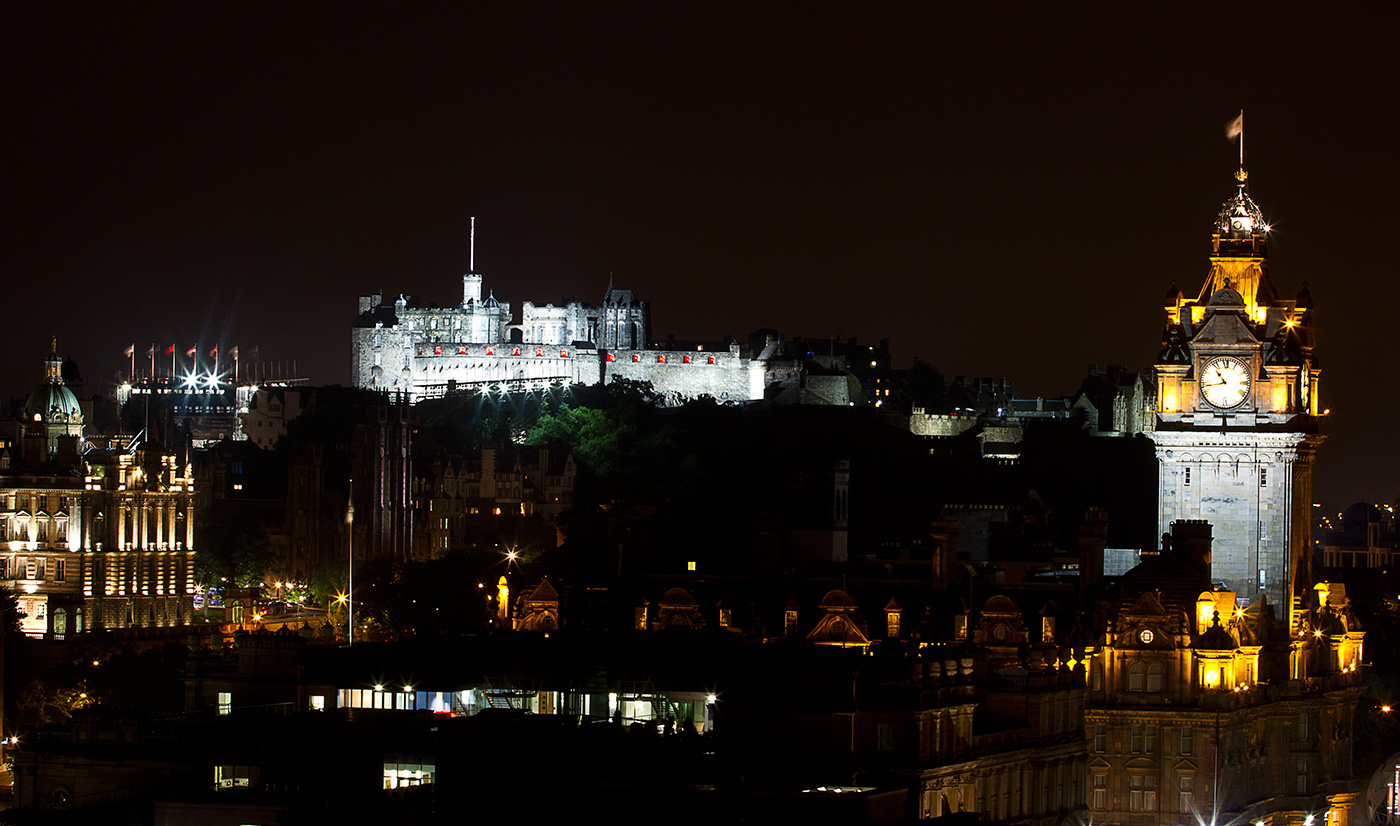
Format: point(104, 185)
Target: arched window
point(60, 621)
point(77, 620)
point(1135, 681)
point(1155, 673)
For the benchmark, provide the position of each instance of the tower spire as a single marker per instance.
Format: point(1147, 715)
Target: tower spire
point(471, 247)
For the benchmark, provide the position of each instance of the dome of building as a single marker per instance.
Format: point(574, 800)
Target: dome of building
point(52, 401)
point(1240, 228)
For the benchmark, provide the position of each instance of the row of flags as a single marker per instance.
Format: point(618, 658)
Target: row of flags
point(190, 353)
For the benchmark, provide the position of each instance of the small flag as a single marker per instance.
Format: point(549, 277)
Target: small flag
point(151, 352)
point(170, 351)
point(190, 352)
point(214, 353)
point(1236, 127)
point(131, 348)
point(233, 353)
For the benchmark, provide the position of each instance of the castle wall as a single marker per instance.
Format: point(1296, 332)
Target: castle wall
point(729, 378)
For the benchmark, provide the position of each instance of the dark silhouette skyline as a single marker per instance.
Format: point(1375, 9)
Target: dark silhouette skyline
point(1000, 190)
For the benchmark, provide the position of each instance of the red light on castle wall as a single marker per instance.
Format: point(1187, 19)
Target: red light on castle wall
point(539, 351)
point(712, 359)
point(686, 360)
point(515, 351)
point(660, 359)
point(420, 351)
point(563, 354)
point(636, 358)
point(611, 357)
point(490, 351)
point(461, 351)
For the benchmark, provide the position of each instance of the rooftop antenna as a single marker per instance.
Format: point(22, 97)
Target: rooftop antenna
point(471, 255)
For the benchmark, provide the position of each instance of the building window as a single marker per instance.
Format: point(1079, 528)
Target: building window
point(61, 798)
point(318, 702)
point(1188, 477)
point(1263, 477)
point(225, 702)
point(1100, 791)
point(1302, 787)
point(400, 774)
point(1100, 738)
point(1302, 726)
point(690, 566)
point(1154, 677)
point(884, 736)
point(1185, 802)
point(60, 622)
point(1135, 744)
point(1186, 745)
point(1135, 677)
point(790, 622)
point(1151, 739)
point(1142, 795)
point(58, 570)
point(231, 777)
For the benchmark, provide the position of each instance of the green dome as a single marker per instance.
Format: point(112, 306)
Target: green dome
point(52, 401)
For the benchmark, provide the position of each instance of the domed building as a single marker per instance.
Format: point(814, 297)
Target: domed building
point(52, 419)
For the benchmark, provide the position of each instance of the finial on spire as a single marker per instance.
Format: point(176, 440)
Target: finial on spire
point(471, 254)
point(54, 344)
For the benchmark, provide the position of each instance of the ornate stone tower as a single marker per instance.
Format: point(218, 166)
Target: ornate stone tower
point(1237, 413)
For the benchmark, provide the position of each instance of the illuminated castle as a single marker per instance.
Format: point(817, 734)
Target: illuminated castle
point(477, 346)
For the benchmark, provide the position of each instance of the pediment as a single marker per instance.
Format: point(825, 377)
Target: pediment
point(1141, 764)
point(1185, 765)
point(1098, 762)
point(1224, 328)
point(1147, 605)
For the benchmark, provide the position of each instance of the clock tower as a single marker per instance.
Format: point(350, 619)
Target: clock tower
point(1237, 413)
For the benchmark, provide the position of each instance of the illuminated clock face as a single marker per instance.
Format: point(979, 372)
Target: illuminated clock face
point(1145, 635)
point(1225, 382)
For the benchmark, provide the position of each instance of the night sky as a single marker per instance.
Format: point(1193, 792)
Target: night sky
point(999, 189)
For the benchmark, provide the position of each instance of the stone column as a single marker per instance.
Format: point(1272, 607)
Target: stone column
point(160, 525)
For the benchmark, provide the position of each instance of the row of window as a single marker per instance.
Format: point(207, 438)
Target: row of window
point(33, 568)
point(1143, 739)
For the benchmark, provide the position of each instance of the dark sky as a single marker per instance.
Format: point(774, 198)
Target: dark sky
point(1000, 189)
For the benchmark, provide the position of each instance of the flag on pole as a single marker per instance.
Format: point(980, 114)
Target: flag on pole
point(170, 351)
point(151, 353)
point(130, 348)
point(233, 353)
point(214, 353)
point(1235, 127)
point(190, 352)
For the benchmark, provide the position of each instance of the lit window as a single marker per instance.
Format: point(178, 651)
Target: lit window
point(690, 566)
point(398, 774)
point(225, 702)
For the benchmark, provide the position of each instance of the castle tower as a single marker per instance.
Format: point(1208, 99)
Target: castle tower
point(1237, 404)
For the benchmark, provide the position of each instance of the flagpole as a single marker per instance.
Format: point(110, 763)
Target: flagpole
point(350, 584)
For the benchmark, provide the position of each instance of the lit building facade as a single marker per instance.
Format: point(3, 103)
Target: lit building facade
point(93, 536)
point(1203, 710)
